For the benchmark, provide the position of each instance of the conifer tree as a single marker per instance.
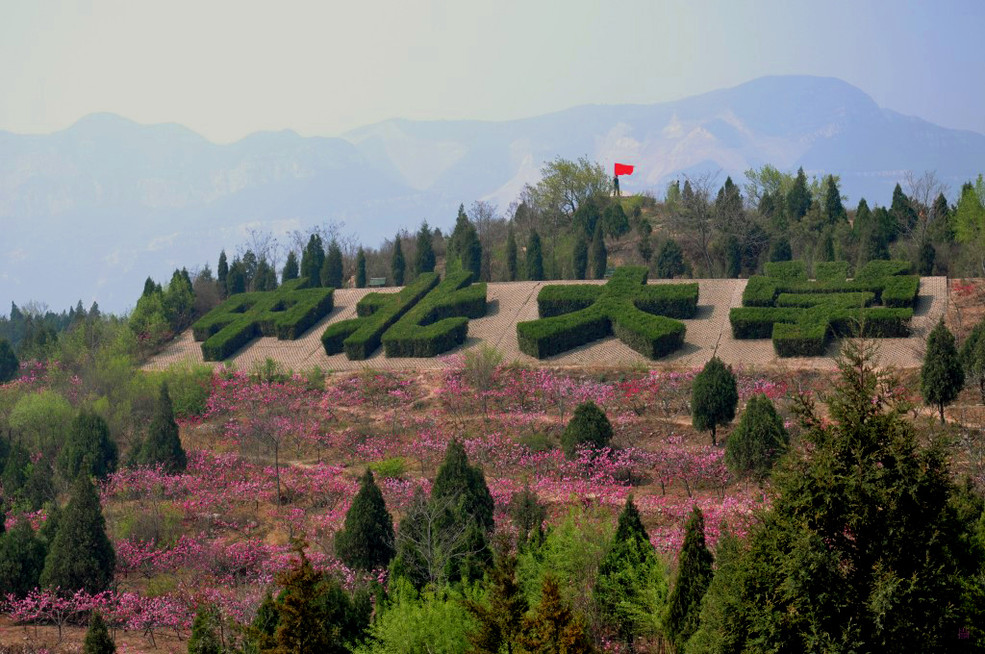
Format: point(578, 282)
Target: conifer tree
point(799, 196)
point(236, 280)
point(455, 250)
point(366, 542)
point(472, 253)
point(511, 264)
point(694, 574)
point(714, 397)
point(149, 288)
point(398, 266)
point(88, 450)
point(903, 213)
point(535, 258)
point(466, 484)
point(598, 254)
point(580, 256)
point(8, 362)
point(163, 445)
point(204, 638)
point(758, 440)
point(291, 270)
point(616, 222)
point(942, 376)
point(553, 628)
point(424, 260)
point(780, 250)
point(588, 426)
point(834, 210)
point(331, 272)
point(97, 640)
point(528, 516)
point(81, 556)
point(312, 260)
point(501, 617)
point(630, 589)
point(670, 260)
point(22, 554)
point(360, 268)
point(973, 357)
point(222, 273)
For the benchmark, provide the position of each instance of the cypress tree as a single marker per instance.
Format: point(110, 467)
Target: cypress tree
point(780, 249)
point(204, 639)
point(360, 268)
point(511, 267)
point(941, 229)
point(693, 577)
point(942, 376)
point(291, 270)
point(236, 280)
point(616, 222)
point(528, 516)
point(758, 440)
point(9, 364)
point(81, 556)
point(972, 357)
point(834, 210)
point(670, 260)
point(630, 589)
point(163, 445)
point(535, 258)
point(222, 273)
point(331, 272)
point(799, 196)
point(22, 554)
point(598, 254)
point(97, 640)
point(926, 258)
point(588, 426)
point(466, 484)
point(398, 266)
point(903, 213)
point(424, 260)
point(472, 254)
point(714, 397)
point(312, 260)
point(500, 618)
point(149, 288)
point(366, 541)
point(458, 239)
point(553, 628)
point(15, 469)
point(88, 449)
point(580, 256)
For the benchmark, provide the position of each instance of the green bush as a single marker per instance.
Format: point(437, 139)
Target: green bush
point(670, 300)
point(758, 441)
point(588, 426)
point(394, 467)
point(286, 313)
point(901, 291)
point(831, 271)
point(788, 271)
point(799, 339)
point(759, 292)
point(439, 322)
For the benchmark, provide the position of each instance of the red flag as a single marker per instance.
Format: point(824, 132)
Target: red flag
point(623, 169)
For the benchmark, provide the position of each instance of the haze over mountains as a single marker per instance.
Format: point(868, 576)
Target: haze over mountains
point(89, 212)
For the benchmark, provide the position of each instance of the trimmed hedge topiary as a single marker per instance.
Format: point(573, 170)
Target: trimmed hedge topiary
point(575, 315)
point(438, 322)
point(286, 313)
point(787, 271)
point(801, 316)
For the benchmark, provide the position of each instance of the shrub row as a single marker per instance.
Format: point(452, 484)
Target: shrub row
point(652, 336)
point(880, 269)
point(808, 300)
point(797, 332)
point(559, 299)
point(549, 336)
point(670, 300)
point(831, 271)
point(439, 322)
point(360, 337)
point(901, 291)
point(789, 271)
point(286, 313)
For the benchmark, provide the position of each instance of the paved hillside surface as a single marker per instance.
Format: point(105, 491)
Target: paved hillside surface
point(510, 303)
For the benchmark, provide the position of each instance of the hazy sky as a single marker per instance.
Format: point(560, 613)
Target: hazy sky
point(228, 68)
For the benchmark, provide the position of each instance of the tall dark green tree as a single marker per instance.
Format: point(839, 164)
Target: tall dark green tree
point(222, 273)
point(834, 210)
point(291, 269)
point(466, 485)
point(903, 213)
point(973, 357)
point(312, 260)
point(799, 196)
point(360, 268)
point(81, 556)
point(331, 272)
point(630, 589)
point(714, 397)
point(472, 253)
point(694, 573)
point(528, 516)
point(163, 445)
point(535, 258)
point(500, 617)
point(942, 375)
point(588, 426)
point(670, 260)
point(236, 279)
point(366, 541)
point(22, 554)
point(780, 249)
point(88, 450)
point(97, 640)
point(398, 265)
point(614, 219)
point(579, 257)
point(552, 627)
point(941, 226)
point(598, 254)
point(758, 441)
point(424, 259)
point(8, 362)
point(511, 264)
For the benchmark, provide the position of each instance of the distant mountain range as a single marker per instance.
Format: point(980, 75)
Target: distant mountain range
point(89, 212)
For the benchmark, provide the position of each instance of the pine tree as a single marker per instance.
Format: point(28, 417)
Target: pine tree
point(22, 554)
point(588, 426)
point(291, 270)
point(615, 220)
point(8, 362)
point(528, 516)
point(535, 258)
point(424, 260)
point(222, 273)
point(81, 556)
point(97, 640)
point(236, 280)
point(331, 272)
point(694, 574)
point(670, 260)
point(554, 628)
point(973, 357)
point(88, 449)
point(511, 265)
point(758, 440)
point(942, 376)
point(366, 542)
point(163, 445)
point(799, 196)
point(630, 589)
point(501, 617)
point(780, 250)
point(580, 256)
point(398, 266)
point(714, 397)
point(204, 638)
point(834, 210)
point(466, 484)
point(312, 260)
point(472, 253)
point(360, 268)
point(903, 213)
point(598, 254)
